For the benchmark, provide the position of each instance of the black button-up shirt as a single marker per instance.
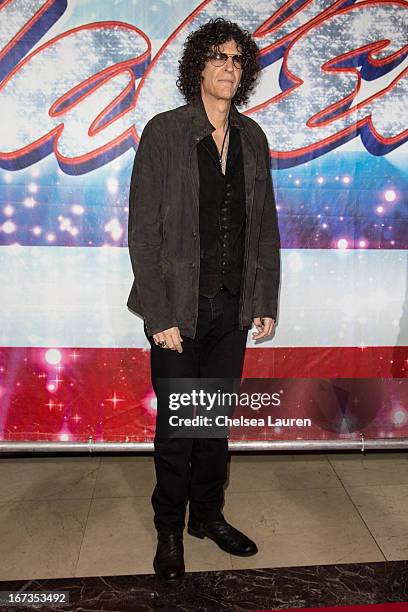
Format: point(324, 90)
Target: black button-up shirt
point(222, 216)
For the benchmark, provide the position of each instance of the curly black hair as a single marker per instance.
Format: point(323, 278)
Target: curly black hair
point(199, 44)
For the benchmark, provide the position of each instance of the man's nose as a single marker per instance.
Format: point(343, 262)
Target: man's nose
point(229, 64)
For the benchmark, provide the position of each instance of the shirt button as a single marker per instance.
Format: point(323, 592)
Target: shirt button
point(193, 265)
point(195, 234)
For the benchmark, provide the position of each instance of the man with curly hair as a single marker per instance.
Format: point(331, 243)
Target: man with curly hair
point(204, 246)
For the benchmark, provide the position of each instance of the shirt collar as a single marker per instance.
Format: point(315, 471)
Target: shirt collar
point(202, 125)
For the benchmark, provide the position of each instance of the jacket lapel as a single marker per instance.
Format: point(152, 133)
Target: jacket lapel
point(201, 127)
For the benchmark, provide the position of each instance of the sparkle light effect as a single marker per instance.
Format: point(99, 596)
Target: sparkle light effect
point(114, 228)
point(9, 227)
point(77, 209)
point(114, 400)
point(65, 225)
point(149, 403)
point(53, 356)
point(65, 434)
point(399, 417)
point(390, 195)
point(342, 243)
point(112, 184)
point(55, 383)
point(32, 187)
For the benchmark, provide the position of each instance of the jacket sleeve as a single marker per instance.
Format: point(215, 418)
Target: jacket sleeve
point(145, 231)
point(268, 264)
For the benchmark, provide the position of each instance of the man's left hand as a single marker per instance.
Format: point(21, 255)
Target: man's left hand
point(264, 326)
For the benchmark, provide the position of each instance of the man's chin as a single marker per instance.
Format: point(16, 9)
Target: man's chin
point(227, 96)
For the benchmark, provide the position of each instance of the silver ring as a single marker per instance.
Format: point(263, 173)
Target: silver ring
point(162, 343)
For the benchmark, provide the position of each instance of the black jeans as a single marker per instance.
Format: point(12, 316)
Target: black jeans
point(196, 469)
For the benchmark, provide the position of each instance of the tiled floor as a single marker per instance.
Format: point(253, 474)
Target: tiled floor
point(91, 516)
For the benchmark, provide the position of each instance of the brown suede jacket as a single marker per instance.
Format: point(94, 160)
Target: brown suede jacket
point(163, 231)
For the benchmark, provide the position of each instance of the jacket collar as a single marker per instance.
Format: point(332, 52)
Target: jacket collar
point(202, 125)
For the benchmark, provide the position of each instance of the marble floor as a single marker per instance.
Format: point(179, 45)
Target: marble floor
point(90, 516)
point(234, 590)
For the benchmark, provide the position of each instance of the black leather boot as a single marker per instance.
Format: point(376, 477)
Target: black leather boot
point(225, 535)
point(169, 560)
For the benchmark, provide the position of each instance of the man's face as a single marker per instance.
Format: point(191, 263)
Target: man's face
point(222, 82)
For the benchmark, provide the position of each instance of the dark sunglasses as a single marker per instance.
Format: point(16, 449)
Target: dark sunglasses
point(217, 58)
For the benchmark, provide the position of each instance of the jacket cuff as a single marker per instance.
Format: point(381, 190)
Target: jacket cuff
point(155, 327)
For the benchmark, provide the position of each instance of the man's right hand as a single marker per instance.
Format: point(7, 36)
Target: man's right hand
point(172, 338)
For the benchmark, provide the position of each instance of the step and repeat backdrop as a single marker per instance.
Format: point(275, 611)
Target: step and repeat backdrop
point(79, 79)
